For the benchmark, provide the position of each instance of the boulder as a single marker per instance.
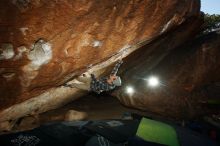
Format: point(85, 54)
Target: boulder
point(183, 73)
point(45, 44)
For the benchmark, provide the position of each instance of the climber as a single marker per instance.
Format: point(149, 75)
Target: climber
point(91, 83)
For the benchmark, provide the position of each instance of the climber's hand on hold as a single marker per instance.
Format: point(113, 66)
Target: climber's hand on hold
point(120, 61)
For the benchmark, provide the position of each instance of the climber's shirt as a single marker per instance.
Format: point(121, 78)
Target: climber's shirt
point(100, 85)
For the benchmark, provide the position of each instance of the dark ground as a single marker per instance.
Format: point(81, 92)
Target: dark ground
point(101, 107)
point(96, 107)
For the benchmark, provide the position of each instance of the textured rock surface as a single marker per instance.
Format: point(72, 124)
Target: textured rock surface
point(46, 43)
point(183, 72)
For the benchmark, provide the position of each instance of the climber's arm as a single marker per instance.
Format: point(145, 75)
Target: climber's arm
point(116, 67)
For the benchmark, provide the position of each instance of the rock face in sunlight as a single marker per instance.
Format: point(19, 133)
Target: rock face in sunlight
point(182, 73)
point(47, 43)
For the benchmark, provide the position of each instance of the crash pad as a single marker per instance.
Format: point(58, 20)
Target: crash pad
point(157, 132)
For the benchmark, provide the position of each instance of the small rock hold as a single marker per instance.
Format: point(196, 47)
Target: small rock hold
point(24, 30)
point(7, 51)
point(8, 76)
point(97, 43)
point(73, 115)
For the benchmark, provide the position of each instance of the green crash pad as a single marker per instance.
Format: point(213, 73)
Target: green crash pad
point(157, 132)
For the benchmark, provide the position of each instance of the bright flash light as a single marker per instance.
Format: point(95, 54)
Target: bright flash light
point(130, 90)
point(153, 81)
